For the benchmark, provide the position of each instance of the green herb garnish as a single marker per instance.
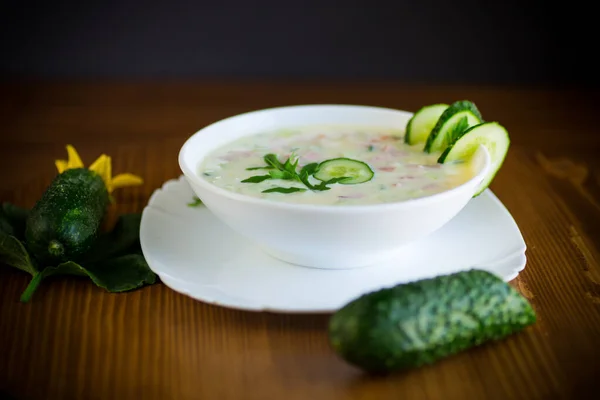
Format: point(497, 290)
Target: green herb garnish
point(288, 171)
point(284, 190)
point(285, 175)
point(257, 179)
point(336, 180)
point(307, 171)
point(457, 130)
point(256, 168)
point(196, 202)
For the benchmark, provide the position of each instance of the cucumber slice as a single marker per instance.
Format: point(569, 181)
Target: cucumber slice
point(355, 171)
point(422, 122)
point(453, 121)
point(490, 134)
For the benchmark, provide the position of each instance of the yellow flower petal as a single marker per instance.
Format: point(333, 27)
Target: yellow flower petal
point(123, 180)
point(61, 165)
point(74, 160)
point(103, 168)
point(96, 164)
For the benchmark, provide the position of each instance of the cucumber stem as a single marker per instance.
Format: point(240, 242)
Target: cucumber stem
point(30, 289)
point(55, 248)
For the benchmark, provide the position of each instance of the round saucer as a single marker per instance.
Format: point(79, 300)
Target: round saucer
point(195, 254)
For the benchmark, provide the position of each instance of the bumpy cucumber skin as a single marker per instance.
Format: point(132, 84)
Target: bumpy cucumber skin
point(419, 323)
point(461, 105)
point(67, 217)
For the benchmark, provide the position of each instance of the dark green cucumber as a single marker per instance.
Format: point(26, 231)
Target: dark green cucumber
point(463, 113)
point(419, 323)
point(66, 220)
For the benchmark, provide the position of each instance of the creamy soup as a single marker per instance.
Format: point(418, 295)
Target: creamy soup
point(399, 171)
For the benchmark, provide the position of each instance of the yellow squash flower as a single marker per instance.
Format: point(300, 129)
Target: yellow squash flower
point(74, 161)
point(102, 166)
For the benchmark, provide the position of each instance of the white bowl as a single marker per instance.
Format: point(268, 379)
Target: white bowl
point(321, 236)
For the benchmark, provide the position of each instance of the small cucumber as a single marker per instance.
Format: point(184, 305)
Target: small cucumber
point(65, 221)
point(455, 119)
point(490, 134)
point(422, 122)
point(355, 171)
point(419, 323)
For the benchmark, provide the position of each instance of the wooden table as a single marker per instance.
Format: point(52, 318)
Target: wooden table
point(75, 341)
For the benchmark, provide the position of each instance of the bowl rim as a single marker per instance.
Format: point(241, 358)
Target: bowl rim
point(191, 174)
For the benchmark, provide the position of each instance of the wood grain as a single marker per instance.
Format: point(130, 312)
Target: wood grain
point(75, 341)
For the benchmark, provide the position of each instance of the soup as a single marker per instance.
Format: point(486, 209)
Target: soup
point(388, 170)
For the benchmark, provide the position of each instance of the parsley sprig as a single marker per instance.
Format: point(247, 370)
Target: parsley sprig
point(288, 170)
point(457, 131)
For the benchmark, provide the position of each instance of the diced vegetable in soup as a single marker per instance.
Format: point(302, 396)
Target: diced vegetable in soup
point(337, 165)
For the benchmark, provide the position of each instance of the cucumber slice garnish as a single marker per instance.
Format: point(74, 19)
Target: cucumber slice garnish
point(493, 136)
point(422, 122)
point(453, 121)
point(353, 171)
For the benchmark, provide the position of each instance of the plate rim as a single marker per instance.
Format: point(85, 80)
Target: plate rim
point(186, 288)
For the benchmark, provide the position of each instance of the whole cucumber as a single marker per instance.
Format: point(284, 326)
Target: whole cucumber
point(418, 323)
point(66, 220)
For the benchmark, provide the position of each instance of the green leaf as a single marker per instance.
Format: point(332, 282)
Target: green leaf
point(303, 177)
point(12, 220)
point(114, 263)
point(456, 131)
point(256, 168)
point(306, 172)
point(196, 202)
point(338, 180)
point(290, 166)
point(276, 170)
point(321, 186)
point(274, 174)
point(287, 171)
point(256, 179)
point(5, 226)
point(309, 169)
point(14, 254)
point(284, 190)
point(271, 159)
point(123, 273)
point(117, 274)
point(123, 239)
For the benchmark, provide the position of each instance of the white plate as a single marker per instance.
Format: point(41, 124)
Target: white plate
point(194, 253)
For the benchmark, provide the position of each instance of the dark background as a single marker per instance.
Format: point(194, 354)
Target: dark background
point(442, 41)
